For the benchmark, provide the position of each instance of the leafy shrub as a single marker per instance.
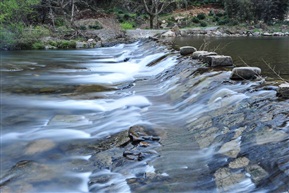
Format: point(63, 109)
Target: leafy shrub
point(96, 27)
point(126, 16)
point(66, 44)
point(203, 24)
point(38, 46)
point(195, 20)
point(7, 39)
point(233, 22)
point(223, 21)
point(212, 13)
point(201, 16)
point(219, 14)
point(126, 25)
point(82, 27)
point(215, 19)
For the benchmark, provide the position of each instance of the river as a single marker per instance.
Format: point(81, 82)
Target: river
point(252, 51)
point(138, 118)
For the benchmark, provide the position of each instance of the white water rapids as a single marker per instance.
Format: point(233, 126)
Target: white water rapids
point(52, 106)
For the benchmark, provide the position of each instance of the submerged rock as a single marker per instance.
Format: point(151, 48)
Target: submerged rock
point(245, 73)
point(186, 50)
point(218, 60)
point(226, 179)
point(230, 149)
point(39, 146)
point(239, 163)
point(257, 173)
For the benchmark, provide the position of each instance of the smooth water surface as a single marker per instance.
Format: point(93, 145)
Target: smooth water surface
point(252, 51)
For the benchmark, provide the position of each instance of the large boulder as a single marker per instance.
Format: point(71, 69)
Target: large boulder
point(218, 60)
point(283, 90)
point(186, 50)
point(245, 73)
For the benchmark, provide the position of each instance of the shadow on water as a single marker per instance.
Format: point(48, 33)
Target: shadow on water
point(138, 118)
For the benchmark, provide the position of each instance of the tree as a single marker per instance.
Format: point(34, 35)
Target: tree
point(154, 7)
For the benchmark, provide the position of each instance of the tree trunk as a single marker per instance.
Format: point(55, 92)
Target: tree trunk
point(152, 21)
point(72, 12)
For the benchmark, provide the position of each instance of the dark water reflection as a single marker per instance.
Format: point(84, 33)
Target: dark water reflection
point(251, 50)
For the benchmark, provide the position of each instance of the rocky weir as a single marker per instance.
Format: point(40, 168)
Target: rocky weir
point(139, 117)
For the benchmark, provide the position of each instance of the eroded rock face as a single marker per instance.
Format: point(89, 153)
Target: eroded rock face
point(186, 50)
point(245, 73)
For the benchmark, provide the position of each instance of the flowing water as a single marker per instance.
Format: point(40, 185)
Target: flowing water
point(137, 118)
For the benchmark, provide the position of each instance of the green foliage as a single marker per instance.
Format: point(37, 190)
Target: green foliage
point(201, 16)
point(38, 46)
point(223, 21)
point(203, 24)
point(126, 25)
point(254, 10)
point(7, 39)
point(96, 26)
point(16, 11)
point(195, 20)
point(66, 44)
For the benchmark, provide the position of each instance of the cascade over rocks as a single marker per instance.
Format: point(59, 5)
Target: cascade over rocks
point(245, 73)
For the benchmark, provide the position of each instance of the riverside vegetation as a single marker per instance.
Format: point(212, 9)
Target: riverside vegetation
point(39, 24)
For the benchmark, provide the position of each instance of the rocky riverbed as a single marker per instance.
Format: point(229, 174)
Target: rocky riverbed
point(192, 129)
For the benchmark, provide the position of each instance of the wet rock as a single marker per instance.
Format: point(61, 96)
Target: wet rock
point(39, 146)
point(226, 179)
point(76, 120)
point(218, 60)
point(257, 173)
point(269, 135)
point(239, 163)
point(266, 34)
point(239, 131)
point(102, 160)
point(201, 123)
point(81, 45)
point(283, 90)
point(186, 50)
point(206, 137)
point(169, 33)
point(176, 30)
point(49, 47)
point(230, 149)
point(245, 73)
point(202, 54)
point(140, 133)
